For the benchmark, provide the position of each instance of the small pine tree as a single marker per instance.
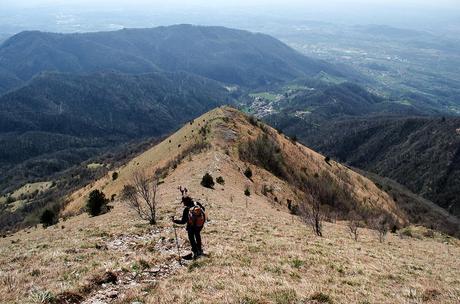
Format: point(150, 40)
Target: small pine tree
point(97, 203)
point(207, 181)
point(252, 120)
point(114, 175)
point(48, 218)
point(247, 192)
point(220, 180)
point(248, 172)
point(9, 200)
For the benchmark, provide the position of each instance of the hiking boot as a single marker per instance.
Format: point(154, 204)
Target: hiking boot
point(189, 256)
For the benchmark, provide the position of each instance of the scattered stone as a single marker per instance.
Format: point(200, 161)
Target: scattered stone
point(68, 298)
point(101, 246)
point(106, 288)
point(107, 277)
point(112, 294)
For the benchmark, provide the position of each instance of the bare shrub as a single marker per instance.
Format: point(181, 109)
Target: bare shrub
point(382, 225)
point(354, 223)
point(141, 196)
point(313, 215)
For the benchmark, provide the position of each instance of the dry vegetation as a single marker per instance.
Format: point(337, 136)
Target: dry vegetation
point(258, 252)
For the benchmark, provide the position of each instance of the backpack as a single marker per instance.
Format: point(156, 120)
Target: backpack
point(196, 216)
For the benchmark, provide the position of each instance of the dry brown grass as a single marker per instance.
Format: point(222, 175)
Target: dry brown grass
point(257, 254)
point(31, 188)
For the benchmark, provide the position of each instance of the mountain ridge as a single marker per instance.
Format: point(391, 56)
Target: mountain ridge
point(223, 54)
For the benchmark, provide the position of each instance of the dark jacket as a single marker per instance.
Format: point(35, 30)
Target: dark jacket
point(184, 219)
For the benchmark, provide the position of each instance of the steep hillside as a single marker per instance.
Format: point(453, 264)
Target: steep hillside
point(420, 153)
point(108, 103)
point(234, 138)
point(257, 251)
point(227, 55)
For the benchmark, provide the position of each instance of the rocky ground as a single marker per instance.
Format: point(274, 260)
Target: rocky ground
point(121, 281)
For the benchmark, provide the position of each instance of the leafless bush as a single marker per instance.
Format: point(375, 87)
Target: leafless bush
point(381, 226)
point(141, 196)
point(313, 215)
point(354, 223)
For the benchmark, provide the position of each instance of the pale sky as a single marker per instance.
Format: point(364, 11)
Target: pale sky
point(419, 14)
point(235, 3)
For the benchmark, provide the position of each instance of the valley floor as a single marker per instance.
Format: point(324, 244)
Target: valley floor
point(257, 253)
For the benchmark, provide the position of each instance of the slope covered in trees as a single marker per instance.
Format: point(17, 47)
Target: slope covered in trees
point(67, 118)
point(421, 153)
point(227, 55)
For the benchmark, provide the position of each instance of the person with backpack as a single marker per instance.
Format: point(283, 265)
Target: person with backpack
point(194, 216)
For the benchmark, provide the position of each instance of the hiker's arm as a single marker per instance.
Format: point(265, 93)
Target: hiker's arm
point(184, 218)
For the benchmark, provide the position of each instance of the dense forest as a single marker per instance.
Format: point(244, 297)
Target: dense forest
point(59, 120)
point(227, 55)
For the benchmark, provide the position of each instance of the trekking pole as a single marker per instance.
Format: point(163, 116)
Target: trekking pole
point(177, 245)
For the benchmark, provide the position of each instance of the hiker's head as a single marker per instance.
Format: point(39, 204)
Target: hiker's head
point(187, 201)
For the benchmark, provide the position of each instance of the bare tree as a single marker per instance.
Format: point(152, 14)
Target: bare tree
point(141, 196)
point(354, 223)
point(313, 215)
point(381, 226)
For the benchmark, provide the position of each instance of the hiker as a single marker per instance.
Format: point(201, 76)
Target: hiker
point(195, 217)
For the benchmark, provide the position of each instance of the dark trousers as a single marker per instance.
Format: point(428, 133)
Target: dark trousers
point(194, 236)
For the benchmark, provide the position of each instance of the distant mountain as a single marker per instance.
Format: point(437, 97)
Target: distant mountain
point(227, 55)
point(62, 112)
point(422, 153)
point(8, 81)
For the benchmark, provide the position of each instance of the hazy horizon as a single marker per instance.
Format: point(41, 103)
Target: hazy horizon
point(86, 15)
